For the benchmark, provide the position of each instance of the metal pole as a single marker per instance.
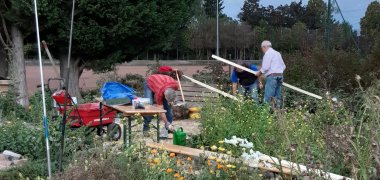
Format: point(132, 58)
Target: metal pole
point(217, 27)
point(66, 92)
point(328, 27)
point(43, 91)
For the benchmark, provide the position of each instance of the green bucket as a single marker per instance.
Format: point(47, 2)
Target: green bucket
point(179, 137)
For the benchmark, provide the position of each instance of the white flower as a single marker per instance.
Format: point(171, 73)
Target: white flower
point(334, 99)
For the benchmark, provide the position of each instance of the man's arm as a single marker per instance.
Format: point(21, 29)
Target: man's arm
point(266, 64)
point(234, 88)
point(162, 115)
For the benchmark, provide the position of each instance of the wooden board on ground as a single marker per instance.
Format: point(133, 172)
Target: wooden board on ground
point(288, 169)
point(4, 85)
point(198, 153)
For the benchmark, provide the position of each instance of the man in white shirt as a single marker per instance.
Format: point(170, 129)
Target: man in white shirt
point(273, 67)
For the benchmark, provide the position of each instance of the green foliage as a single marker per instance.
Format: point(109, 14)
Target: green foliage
point(22, 138)
point(210, 8)
point(370, 23)
point(33, 170)
point(10, 108)
point(213, 73)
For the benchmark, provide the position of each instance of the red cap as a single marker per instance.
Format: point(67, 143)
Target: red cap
point(164, 69)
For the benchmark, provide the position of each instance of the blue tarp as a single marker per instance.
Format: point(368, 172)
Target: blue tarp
point(115, 90)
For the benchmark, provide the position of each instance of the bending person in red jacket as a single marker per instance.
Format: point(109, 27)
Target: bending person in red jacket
point(162, 88)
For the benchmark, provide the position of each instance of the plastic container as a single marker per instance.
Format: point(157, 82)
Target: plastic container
point(179, 137)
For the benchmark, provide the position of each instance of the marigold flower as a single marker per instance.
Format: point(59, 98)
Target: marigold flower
point(176, 175)
point(209, 163)
point(153, 151)
point(191, 169)
point(212, 171)
point(169, 170)
point(181, 178)
point(172, 154)
point(178, 162)
point(156, 160)
point(189, 158)
point(219, 166)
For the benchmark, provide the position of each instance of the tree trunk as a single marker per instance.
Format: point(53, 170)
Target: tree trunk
point(76, 69)
point(17, 67)
point(3, 63)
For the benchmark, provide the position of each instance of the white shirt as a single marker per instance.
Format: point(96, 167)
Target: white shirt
point(272, 62)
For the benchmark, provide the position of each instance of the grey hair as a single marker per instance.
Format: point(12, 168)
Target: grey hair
point(266, 43)
point(170, 95)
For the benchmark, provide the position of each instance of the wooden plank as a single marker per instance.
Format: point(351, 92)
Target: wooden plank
point(290, 171)
point(198, 153)
point(129, 110)
point(198, 94)
point(5, 82)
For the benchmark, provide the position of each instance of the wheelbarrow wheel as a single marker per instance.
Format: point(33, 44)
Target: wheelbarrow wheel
point(114, 131)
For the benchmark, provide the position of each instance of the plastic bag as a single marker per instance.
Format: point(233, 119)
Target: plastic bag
point(115, 90)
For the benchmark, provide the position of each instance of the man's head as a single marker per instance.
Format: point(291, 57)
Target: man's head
point(265, 45)
point(170, 95)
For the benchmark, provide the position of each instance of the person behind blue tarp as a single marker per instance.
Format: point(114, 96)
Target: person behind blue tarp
point(249, 83)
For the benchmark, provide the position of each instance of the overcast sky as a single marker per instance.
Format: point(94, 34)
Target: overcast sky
point(352, 10)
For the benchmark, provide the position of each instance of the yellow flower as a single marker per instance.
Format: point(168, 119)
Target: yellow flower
point(179, 162)
point(221, 142)
point(212, 171)
point(219, 166)
point(176, 175)
point(214, 148)
point(229, 152)
point(221, 149)
point(189, 158)
point(156, 160)
point(231, 166)
point(172, 154)
point(169, 170)
point(209, 163)
point(219, 160)
point(181, 178)
point(153, 151)
point(212, 157)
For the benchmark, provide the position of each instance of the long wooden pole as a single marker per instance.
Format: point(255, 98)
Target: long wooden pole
point(212, 88)
point(51, 59)
point(255, 73)
point(180, 86)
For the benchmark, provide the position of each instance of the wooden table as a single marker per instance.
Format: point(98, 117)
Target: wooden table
point(128, 111)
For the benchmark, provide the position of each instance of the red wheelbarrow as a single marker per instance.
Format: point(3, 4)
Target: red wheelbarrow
point(90, 115)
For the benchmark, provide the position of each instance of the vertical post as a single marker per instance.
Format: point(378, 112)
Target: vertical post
point(158, 128)
point(217, 27)
point(101, 120)
point(129, 131)
point(328, 27)
point(125, 133)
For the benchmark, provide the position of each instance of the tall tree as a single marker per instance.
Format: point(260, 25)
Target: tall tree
point(251, 12)
point(315, 15)
point(210, 7)
point(109, 32)
point(370, 23)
